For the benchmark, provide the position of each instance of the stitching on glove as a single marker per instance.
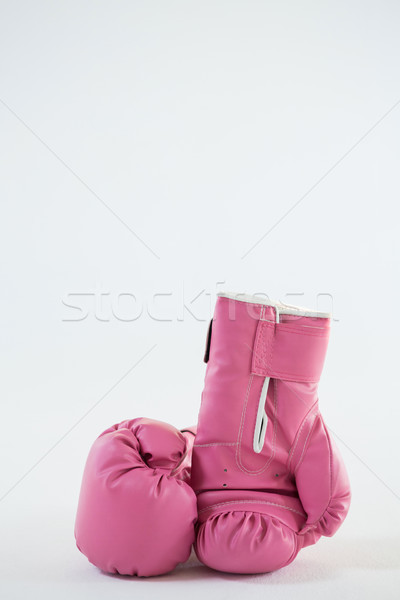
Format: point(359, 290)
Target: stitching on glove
point(230, 502)
point(297, 437)
point(305, 444)
point(215, 444)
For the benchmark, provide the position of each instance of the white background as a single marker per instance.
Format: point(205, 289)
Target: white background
point(194, 126)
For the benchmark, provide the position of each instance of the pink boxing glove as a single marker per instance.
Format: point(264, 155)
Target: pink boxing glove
point(136, 511)
point(268, 475)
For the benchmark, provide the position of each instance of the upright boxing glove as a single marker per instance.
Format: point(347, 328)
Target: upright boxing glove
point(136, 511)
point(268, 475)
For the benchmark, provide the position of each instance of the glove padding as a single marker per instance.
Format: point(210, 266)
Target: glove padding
point(136, 513)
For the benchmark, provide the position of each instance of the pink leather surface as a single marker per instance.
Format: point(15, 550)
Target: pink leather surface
point(257, 510)
point(290, 350)
point(136, 513)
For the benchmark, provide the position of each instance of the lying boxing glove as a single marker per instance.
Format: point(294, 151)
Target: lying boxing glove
point(268, 475)
point(136, 511)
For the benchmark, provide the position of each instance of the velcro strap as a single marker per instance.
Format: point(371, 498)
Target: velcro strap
point(289, 351)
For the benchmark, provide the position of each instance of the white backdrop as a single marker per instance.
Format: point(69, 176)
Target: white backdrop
point(153, 153)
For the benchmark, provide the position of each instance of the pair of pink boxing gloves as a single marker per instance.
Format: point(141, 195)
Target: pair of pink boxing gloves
point(257, 480)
